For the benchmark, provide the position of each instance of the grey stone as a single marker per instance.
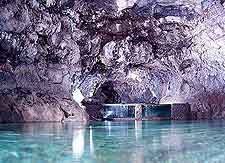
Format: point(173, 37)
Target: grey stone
point(149, 51)
point(25, 106)
point(181, 112)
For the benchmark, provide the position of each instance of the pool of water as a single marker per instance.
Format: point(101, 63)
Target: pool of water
point(109, 142)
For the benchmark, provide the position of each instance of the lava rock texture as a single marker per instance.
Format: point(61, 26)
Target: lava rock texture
point(56, 55)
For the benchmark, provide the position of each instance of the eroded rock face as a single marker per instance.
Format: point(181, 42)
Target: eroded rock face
point(27, 107)
point(110, 51)
point(22, 105)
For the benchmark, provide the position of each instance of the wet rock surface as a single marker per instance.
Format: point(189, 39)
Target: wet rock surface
point(25, 106)
point(129, 51)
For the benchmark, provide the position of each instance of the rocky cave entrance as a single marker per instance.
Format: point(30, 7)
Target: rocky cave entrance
point(113, 109)
point(107, 105)
point(106, 94)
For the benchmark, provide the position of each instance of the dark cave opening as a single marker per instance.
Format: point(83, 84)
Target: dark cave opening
point(107, 94)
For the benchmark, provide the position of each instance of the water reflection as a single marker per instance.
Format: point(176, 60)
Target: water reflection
point(33, 129)
point(138, 142)
point(108, 124)
point(138, 129)
point(78, 143)
point(91, 142)
point(138, 154)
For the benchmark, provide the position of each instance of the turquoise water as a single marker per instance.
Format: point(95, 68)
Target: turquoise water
point(109, 142)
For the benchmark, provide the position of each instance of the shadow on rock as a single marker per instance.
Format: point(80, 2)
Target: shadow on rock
point(208, 105)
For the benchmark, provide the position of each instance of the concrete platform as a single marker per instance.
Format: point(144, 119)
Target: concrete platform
point(143, 111)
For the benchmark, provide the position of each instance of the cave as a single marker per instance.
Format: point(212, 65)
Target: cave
point(152, 66)
point(90, 40)
point(107, 94)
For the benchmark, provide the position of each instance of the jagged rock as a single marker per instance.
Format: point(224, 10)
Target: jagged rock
point(112, 51)
point(25, 106)
point(72, 111)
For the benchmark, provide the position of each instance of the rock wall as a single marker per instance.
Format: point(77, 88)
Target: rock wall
point(152, 51)
point(181, 112)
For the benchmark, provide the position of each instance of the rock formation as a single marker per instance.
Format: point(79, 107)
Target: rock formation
point(57, 54)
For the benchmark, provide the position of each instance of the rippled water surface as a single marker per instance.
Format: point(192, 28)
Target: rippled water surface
point(106, 142)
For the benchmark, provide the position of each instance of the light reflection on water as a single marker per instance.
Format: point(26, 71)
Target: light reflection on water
point(103, 142)
point(78, 143)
